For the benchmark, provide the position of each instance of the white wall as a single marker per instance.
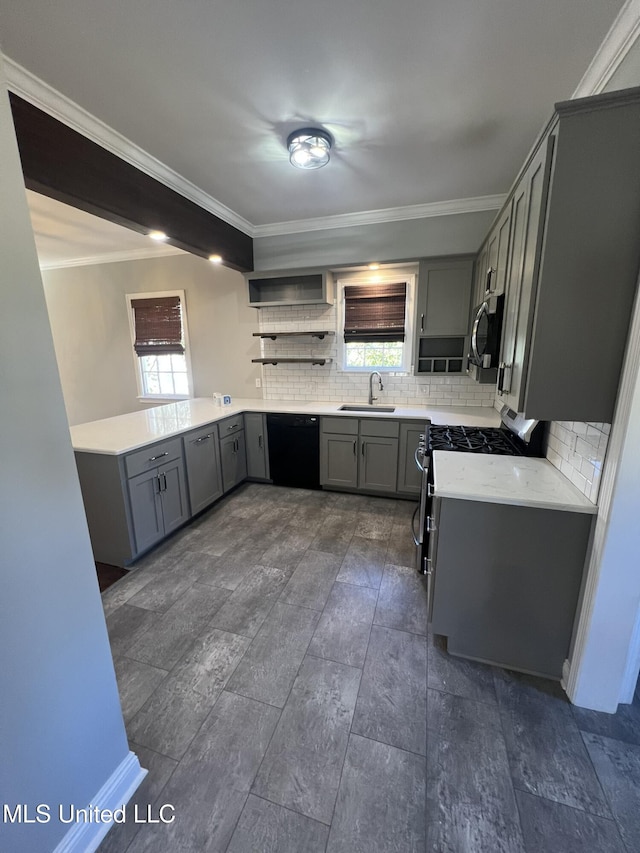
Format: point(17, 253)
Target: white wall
point(88, 314)
point(456, 234)
point(61, 729)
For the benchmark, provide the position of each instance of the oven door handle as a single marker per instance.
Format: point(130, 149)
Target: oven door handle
point(417, 542)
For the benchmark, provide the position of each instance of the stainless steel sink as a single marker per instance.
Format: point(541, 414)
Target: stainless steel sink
point(366, 408)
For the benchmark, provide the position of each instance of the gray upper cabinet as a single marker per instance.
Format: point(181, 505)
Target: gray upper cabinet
point(202, 457)
point(233, 459)
point(497, 243)
point(290, 287)
point(442, 314)
point(257, 449)
point(574, 262)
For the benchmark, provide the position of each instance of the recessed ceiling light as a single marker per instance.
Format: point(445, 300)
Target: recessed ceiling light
point(309, 148)
point(160, 236)
point(374, 266)
point(215, 259)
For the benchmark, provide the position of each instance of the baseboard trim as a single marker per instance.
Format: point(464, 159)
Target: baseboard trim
point(116, 791)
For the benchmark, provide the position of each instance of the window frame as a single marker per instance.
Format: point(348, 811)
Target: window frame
point(386, 276)
point(142, 396)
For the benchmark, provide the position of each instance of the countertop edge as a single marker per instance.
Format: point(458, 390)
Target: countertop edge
point(590, 509)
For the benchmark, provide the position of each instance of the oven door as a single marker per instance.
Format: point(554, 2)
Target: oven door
point(419, 526)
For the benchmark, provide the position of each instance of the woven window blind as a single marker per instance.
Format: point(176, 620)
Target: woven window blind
point(158, 325)
point(374, 312)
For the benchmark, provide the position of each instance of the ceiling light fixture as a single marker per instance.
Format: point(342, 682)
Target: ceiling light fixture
point(215, 259)
point(160, 236)
point(309, 148)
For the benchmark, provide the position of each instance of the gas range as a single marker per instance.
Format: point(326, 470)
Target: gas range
point(516, 437)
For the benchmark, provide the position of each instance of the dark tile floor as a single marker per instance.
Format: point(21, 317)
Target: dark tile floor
point(278, 683)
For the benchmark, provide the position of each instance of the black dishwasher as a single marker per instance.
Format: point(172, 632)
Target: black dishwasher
point(294, 450)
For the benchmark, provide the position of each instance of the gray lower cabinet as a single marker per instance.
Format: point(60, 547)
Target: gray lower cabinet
point(233, 459)
point(202, 457)
point(339, 460)
point(409, 477)
point(134, 500)
point(378, 464)
point(159, 503)
point(255, 428)
point(505, 581)
point(363, 456)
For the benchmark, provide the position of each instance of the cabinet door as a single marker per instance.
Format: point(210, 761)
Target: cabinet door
point(203, 468)
point(378, 464)
point(498, 252)
point(480, 278)
point(146, 509)
point(409, 477)
point(175, 502)
point(339, 460)
point(520, 302)
point(444, 295)
point(233, 460)
point(257, 453)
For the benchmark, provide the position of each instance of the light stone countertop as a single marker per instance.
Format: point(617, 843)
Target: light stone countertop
point(123, 433)
point(515, 480)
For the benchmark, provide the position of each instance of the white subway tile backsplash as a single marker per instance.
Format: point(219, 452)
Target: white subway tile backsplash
point(330, 382)
point(583, 463)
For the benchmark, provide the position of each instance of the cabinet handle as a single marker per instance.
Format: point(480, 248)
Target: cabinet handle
point(235, 445)
point(431, 528)
point(260, 441)
point(490, 273)
point(232, 427)
point(159, 456)
point(159, 482)
point(363, 446)
point(422, 323)
point(204, 438)
point(354, 448)
point(430, 490)
point(164, 482)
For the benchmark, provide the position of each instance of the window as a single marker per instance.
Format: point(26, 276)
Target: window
point(375, 322)
point(159, 337)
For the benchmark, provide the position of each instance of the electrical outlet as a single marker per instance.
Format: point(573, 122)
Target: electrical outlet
point(258, 383)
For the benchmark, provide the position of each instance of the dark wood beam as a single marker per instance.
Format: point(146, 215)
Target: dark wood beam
point(61, 163)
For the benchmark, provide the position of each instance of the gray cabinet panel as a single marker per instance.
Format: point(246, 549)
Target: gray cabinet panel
point(339, 461)
point(498, 251)
point(340, 426)
point(257, 449)
point(202, 458)
point(175, 503)
point(146, 509)
point(444, 295)
point(233, 459)
point(378, 464)
point(506, 590)
point(151, 456)
point(409, 477)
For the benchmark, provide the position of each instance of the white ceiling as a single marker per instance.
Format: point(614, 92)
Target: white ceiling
point(66, 236)
point(428, 100)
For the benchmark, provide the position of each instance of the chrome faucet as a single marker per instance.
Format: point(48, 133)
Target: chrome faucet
point(371, 397)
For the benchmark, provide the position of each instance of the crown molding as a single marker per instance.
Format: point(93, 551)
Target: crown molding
point(388, 214)
point(34, 90)
point(112, 257)
point(617, 43)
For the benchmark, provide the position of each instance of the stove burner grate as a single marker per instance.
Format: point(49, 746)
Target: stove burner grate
point(472, 440)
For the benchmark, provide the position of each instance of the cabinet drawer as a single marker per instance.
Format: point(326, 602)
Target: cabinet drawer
point(379, 429)
point(199, 436)
point(152, 456)
point(228, 426)
point(340, 426)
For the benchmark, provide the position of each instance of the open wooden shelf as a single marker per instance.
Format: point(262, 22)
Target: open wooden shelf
point(274, 335)
point(277, 360)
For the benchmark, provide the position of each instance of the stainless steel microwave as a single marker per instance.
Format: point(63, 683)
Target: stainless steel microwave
point(486, 333)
